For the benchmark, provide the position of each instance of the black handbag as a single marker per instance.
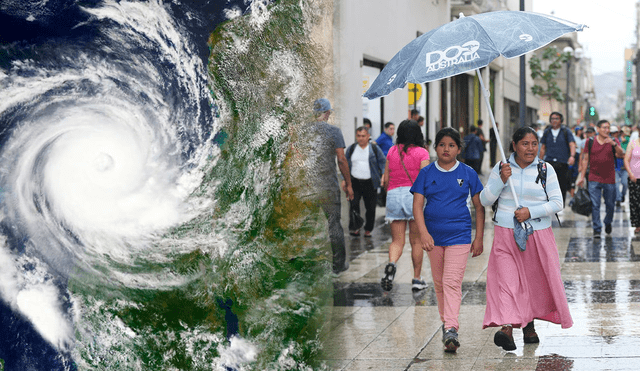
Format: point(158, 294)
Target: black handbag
point(581, 202)
point(355, 220)
point(381, 199)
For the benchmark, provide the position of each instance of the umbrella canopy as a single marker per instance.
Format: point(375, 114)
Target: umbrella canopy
point(466, 44)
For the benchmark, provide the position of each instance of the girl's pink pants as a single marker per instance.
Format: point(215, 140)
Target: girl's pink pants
point(447, 270)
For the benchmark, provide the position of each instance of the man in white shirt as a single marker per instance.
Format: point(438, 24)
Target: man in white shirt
point(366, 163)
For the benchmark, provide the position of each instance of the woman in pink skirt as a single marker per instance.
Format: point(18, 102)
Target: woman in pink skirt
point(524, 285)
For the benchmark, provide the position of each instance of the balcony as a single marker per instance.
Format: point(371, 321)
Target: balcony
point(471, 7)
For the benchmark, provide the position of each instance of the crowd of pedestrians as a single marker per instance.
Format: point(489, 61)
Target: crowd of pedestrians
point(433, 198)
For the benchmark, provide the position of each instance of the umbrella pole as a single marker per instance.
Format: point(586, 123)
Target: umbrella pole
point(485, 93)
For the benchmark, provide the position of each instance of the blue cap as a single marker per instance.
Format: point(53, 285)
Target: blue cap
point(321, 105)
point(578, 128)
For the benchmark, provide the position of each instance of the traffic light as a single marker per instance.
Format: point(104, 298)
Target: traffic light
point(592, 111)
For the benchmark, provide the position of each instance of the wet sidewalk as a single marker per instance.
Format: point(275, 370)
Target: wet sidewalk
point(401, 330)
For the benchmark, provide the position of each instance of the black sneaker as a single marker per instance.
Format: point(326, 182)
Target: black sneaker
point(418, 284)
point(389, 273)
point(607, 228)
point(451, 343)
point(596, 234)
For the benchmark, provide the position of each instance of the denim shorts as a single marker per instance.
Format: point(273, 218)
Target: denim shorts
point(399, 204)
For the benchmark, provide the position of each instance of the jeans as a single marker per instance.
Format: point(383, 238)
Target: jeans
point(622, 179)
point(596, 190)
point(331, 208)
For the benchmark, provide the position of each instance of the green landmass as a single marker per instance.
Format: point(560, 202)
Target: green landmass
point(275, 267)
point(280, 295)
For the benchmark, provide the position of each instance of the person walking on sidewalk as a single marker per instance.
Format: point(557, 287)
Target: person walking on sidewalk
point(599, 158)
point(558, 148)
point(473, 148)
point(326, 146)
point(385, 141)
point(484, 140)
point(523, 285)
point(366, 163)
point(444, 225)
point(621, 172)
point(404, 162)
point(632, 164)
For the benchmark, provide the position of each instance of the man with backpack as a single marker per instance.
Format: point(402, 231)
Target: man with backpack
point(599, 158)
point(558, 148)
point(366, 162)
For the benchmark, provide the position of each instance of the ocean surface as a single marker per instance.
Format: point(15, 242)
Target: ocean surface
point(149, 209)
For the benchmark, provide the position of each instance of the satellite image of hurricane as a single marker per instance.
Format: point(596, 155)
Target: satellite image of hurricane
point(149, 217)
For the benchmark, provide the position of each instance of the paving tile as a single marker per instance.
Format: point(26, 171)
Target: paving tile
point(336, 364)
point(378, 364)
point(405, 336)
point(602, 281)
point(506, 363)
point(453, 363)
point(598, 364)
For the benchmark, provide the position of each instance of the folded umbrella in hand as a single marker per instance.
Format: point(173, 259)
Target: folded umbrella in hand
point(521, 234)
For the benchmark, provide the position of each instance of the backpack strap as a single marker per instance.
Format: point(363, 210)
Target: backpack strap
point(374, 147)
point(566, 137)
point(350, 150)
point(542, 178)
point(545, 133)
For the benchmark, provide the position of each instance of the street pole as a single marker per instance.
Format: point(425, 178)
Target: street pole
point(523, 84)
point(566, 98)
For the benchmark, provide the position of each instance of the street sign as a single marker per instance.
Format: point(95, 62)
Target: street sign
point(415, 93)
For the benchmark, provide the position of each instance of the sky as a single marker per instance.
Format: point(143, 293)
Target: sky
point(611, 28)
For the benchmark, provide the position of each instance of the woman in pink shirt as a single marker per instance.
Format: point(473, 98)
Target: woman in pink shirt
point(632, 164)
point(404, 161)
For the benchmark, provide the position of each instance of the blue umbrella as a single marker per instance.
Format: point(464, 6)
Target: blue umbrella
point(467, 44)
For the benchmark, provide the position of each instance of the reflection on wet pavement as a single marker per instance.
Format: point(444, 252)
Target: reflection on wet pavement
point(371, 294)
point(603, 291)
point(608, 249)
point(371, 329)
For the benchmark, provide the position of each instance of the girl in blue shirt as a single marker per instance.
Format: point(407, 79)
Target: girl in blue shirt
point(445, 226)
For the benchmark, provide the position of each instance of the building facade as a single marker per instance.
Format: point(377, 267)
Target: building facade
point(368, 33)
point(575, 80)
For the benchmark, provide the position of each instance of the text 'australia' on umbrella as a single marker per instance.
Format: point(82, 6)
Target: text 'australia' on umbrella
point(466, 44)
